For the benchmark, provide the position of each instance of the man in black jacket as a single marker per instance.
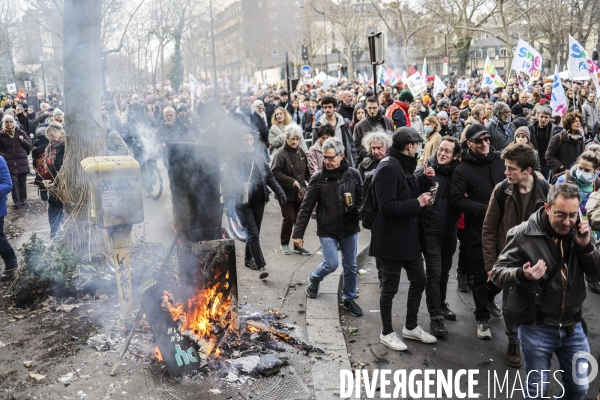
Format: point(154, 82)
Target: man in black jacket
point(541, 132)
point(346, 109)
point(438, 237)
point(554, 250)
point(337, 220)
point(398, 199)
point(473, 181)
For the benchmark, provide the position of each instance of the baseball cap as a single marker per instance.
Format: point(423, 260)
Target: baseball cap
point(476, 130)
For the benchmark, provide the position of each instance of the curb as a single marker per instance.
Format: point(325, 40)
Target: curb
point(325, 331)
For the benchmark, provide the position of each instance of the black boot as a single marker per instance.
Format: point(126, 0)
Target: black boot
point(594, 287)
point(463, 284)
point(10, 266)
point(438, 328)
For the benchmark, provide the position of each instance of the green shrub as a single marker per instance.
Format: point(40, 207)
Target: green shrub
point(47, 269)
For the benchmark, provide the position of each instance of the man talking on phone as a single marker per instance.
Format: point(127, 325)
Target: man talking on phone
point(544, 262)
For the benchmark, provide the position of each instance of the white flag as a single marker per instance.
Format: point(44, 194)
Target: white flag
point(424, 73)
point(558, 102)
point(462, 84)
point(11, 88)
point(527, 60)
point(193, 81)
point(581, 65)
point(404, 77)
point(438, 86)
point(491, 77)
point(416, 84)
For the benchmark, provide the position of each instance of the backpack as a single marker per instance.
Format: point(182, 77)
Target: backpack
point(368, 211)
point(501, 198)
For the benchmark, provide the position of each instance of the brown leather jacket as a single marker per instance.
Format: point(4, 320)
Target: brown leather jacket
point(496, 224)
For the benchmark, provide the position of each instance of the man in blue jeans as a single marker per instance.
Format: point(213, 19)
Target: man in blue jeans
point(544, 263)
point(336, 190)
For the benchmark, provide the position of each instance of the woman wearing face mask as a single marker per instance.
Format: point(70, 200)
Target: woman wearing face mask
point(246, 193)
point(583, 175)
point(431, 128)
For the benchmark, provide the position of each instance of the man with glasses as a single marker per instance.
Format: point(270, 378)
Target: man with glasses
point(547, 258)
point(502, 131)
point(473, 181)
point(513, 201)
point(337, 220)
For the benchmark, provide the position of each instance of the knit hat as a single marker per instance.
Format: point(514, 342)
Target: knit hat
point(454, 110)
point(57, 111)
point(406, 95)
point(442, 114)
point(517, 109)
point(523, 130)
point(468, 96)
point(426, 99)
point(258, 103)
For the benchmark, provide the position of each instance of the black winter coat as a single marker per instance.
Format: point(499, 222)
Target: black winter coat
point(440, 219)
point(500, 139)
point(562, 153)
point(473, 182)
point(368, 164)
point(238, 170)
point(290, 165)
point(520, 121)
point(15, 152)
point(346, 111)
point(540, 138)
point(395, 233)
point(260, 126)
point(334, 220)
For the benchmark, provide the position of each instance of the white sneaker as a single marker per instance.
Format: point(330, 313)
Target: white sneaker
point(392, 341)
point(483, 330)
point(418, 334)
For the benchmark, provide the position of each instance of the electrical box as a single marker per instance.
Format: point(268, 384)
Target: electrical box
point(116, 190)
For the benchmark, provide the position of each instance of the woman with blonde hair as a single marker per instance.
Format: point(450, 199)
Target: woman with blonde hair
point(476, 117)
point(280, 121)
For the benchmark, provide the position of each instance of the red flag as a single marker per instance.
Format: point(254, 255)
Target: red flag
point(411, 70)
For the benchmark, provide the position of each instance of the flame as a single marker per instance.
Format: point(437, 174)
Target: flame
point(253, 329)
point(157, 355)
point(203, 311)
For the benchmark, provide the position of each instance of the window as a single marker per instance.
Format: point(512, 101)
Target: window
point(272, 15)
point(275, 53)
point(491, 53)
point(478, 53)
point(484, 36)
point(503, 52)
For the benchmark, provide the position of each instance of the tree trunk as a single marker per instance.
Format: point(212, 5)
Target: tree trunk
point(462, 48)
point(84, 138)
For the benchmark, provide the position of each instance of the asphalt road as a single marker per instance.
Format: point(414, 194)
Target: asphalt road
point(461, 349)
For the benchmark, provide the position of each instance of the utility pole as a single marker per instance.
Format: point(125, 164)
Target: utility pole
point(287, 74)
point(214, 51)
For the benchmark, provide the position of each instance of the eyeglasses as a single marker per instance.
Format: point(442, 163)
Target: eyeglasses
point(327, 158)
point(562, 216)
point(479, 142)
point(449, 152)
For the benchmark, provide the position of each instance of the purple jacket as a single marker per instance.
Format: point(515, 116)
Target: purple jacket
point(15, 152)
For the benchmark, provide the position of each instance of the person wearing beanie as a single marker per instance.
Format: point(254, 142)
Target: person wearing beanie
point(283, 96)
point(442, 118)
point(398, 110)
point(473, 181)
point(519, 117)
point(58, 115)
point(394, 236)
point(523, 136)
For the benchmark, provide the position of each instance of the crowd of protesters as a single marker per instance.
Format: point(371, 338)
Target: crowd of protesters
point(492, 174)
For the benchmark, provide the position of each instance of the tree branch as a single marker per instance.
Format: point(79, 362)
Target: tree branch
point(118, 49)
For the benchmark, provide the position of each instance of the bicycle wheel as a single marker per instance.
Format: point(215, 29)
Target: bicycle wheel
point(155, 182)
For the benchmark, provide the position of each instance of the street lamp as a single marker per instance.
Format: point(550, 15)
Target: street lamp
point(43, 74)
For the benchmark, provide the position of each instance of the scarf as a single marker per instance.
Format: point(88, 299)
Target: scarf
point(576, 136)
point(502, 124)
point(336, 173)
point(50, 152)
point(10, 132)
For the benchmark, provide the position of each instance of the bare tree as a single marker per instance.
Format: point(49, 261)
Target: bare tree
point(401, 22)
point(348, 18)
